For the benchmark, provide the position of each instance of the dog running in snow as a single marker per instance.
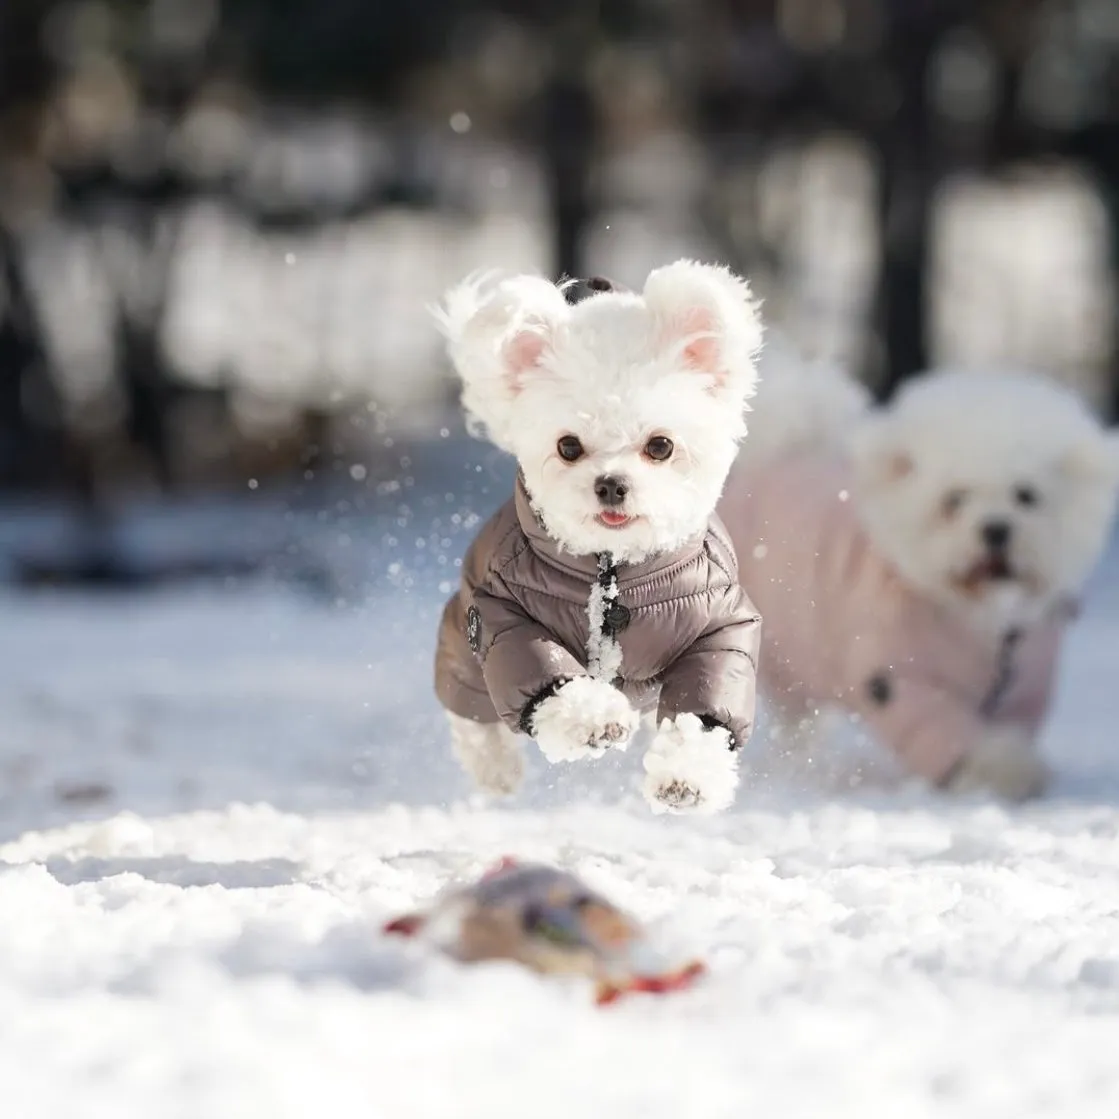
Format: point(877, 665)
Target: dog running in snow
point(917, 565)
point(605, 587)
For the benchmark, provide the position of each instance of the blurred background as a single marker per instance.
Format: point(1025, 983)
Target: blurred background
point(221, 223)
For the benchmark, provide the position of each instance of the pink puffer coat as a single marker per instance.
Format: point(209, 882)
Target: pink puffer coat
point(842, 629)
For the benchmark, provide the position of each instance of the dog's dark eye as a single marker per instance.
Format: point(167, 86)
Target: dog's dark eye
point(1026, 495)
point(953, 502)
point(570, 449)
point(659, 448)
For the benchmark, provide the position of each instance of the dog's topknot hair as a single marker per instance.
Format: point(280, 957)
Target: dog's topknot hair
point(575, 291)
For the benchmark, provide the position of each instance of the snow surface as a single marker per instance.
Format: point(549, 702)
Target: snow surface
point(211, 798)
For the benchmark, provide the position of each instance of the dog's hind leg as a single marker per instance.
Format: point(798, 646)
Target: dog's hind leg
point(490, 753)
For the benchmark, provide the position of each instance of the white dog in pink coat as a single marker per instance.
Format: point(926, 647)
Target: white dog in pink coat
point(916, 566)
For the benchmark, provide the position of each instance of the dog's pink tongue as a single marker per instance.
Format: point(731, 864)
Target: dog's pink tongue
point(613, 519)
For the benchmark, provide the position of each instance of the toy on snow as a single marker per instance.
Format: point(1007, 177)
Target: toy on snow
point(550, 922)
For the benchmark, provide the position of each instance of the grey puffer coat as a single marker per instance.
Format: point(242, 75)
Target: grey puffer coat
point(528, 617)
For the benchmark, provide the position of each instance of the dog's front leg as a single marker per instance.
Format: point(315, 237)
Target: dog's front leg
point(706, 712)
point(942, 740)
point(690, 767)
point(581, 718)
point(539, 687)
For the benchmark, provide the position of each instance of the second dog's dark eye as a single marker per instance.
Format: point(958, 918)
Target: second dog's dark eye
point(570, 449)
point(1026, 495)
point(952, 502)
point(659, 448)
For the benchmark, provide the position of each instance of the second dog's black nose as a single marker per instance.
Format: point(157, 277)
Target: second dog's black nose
point(610, 490)
point(996, 535)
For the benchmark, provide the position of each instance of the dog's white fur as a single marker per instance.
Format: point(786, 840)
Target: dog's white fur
point(490, 753)
point(957, 449)
point(685, 771)
point(800, 406)
point(675, 360)
point(961, 449)
point(584, 719)
point(613, 370)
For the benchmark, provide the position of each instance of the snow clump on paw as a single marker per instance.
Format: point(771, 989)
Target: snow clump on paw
point(583, 719)
point(690, 768)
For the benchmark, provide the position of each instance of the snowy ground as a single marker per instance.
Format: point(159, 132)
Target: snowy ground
point(209, 799)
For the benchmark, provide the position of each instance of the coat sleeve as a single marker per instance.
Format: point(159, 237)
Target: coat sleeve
point(716, 676)
point(928, 728)
point(522, 662)
point(459, 684)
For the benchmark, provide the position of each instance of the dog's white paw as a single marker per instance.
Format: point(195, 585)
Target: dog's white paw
point(690, 768)
point(490, 753)
point(583, 719)
point(1005, 762)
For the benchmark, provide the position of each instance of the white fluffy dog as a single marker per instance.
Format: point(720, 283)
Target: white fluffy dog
point(603, 588)
point(917, 565)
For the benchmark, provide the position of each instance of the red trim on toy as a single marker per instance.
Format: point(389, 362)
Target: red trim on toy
point(408, 925)
point(651, 984)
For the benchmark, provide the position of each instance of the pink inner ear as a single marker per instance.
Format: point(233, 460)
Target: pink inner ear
point(522, 353)
point(703, 353)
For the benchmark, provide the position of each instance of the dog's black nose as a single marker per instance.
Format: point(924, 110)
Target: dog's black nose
point(996, 535)
point(610, 490)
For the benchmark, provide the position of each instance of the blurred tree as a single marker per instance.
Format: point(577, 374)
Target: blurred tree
point(568, 131)
point(32, 436)
point(902, 127)
point(321, 50)
point(30, 413)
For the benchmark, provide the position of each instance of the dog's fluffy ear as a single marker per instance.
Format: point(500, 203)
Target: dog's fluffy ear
point(1095, 459)
point(498, 330)
point(708, 315)
point(876, 454)
point(499, 325)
